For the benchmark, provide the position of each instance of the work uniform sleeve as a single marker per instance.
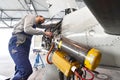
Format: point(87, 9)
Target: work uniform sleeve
point(28, 23)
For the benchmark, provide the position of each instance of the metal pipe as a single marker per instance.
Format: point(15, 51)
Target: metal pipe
point(34, 7)
point(23, 6)
point(5, 23)
point(22, 10)
point(73, 49)
point(28, 6)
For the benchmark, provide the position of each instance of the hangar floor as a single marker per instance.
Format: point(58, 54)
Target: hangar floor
point(105, 74)
point(7, 69)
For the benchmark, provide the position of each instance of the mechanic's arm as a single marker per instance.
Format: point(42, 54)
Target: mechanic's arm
point(28, 23)
point(43, 26)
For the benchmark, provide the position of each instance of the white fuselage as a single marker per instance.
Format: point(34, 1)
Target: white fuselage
point(82, 27)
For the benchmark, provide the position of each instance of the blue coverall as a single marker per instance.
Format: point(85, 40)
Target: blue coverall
point(20, 56)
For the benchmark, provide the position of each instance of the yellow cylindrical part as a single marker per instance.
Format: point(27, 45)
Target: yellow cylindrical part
point(88, 57)
point(92, 59)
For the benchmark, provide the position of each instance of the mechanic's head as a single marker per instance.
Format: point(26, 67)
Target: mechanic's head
point(39, 19)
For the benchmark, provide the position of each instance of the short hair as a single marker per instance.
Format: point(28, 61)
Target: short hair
point(40, 16)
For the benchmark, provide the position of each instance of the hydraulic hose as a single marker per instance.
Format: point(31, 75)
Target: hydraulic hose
point(48, 54)
point(74, 69)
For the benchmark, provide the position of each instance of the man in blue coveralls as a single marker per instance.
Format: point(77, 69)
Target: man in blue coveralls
point(19, 44)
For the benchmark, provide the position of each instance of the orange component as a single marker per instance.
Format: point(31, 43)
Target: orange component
point(47, 58)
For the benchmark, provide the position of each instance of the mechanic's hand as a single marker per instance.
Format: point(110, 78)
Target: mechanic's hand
point(48, 34)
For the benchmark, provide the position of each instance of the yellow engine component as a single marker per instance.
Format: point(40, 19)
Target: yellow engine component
point(60, 61)
point(92, 59)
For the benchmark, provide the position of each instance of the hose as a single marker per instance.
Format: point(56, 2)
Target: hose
point(47, 58)
point(77, 74)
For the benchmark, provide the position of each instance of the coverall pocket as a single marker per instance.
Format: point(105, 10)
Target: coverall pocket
point(20, 39)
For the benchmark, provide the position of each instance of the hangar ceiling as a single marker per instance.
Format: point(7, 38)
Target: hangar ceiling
point(12, 10)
